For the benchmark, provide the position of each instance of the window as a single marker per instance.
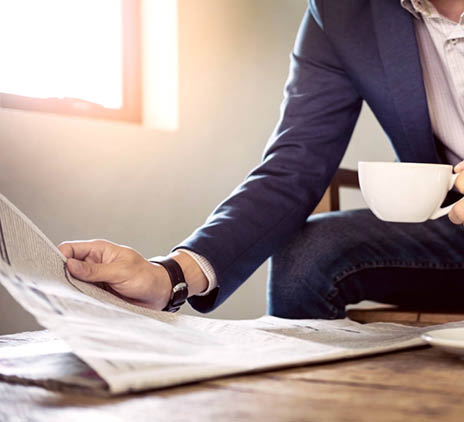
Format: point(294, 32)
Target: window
point(76, 57)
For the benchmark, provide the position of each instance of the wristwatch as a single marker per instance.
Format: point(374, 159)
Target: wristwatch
point(179, 291)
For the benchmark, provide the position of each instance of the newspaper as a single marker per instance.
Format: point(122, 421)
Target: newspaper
point(132, 348)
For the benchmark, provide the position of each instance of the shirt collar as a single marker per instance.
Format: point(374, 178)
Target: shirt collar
point(425, 8)
point(420, 7)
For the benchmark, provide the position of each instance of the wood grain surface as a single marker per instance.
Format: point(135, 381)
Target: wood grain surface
point(418, 385)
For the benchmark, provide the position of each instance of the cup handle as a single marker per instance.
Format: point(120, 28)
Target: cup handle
point(440, 212)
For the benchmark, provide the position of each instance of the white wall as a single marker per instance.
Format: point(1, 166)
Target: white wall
point(83, 178)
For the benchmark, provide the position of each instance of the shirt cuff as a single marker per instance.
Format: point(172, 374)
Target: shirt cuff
point(207, 269)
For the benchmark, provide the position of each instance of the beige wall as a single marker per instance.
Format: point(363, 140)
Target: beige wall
point(83, 178)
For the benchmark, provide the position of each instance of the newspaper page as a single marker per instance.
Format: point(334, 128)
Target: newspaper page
point(132, 348)
point(40, 358)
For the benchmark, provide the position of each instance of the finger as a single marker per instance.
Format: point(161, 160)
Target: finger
point(456, 215)
point(66, 249)
point(460, 183)
point(81, 250)
point(89, 271)
point(459, 167)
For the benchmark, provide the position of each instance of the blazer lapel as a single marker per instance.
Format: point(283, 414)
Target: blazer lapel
point(396, 39)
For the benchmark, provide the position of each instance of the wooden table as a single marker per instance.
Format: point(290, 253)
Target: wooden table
point(416, 385)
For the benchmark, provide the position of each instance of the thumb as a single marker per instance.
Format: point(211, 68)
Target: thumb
point(89, 271)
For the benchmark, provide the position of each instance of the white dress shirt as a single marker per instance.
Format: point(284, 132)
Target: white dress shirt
point(441, 47)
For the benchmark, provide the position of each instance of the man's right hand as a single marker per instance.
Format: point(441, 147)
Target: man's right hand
point(126, 271)
point(456, 214)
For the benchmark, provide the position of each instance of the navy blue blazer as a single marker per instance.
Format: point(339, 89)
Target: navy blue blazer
point(346, 51)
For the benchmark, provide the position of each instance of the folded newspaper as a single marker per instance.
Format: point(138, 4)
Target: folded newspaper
point(97, 341)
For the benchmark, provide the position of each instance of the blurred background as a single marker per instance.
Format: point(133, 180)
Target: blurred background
point(211, 75)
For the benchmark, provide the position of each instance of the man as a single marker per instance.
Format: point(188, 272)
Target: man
point(405, 58)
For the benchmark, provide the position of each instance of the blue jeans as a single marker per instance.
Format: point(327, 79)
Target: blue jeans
point(344, 257)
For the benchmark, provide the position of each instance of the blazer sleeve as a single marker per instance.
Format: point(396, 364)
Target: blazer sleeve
point(318, 115)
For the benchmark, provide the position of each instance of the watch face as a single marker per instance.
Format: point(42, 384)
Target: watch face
point(179, 294)
point(180, 287)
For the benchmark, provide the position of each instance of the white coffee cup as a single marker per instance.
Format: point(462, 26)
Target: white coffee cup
point(406, 192)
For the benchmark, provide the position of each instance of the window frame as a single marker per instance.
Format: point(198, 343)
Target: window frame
point(131, 109)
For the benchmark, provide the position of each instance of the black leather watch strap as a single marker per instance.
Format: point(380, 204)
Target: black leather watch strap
point(179, 291)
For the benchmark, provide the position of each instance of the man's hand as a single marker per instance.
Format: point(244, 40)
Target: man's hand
point(456, 214)
point(126, 271)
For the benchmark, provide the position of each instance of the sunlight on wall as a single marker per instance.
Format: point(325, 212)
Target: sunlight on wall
point(62, 49)
point(160, 64)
